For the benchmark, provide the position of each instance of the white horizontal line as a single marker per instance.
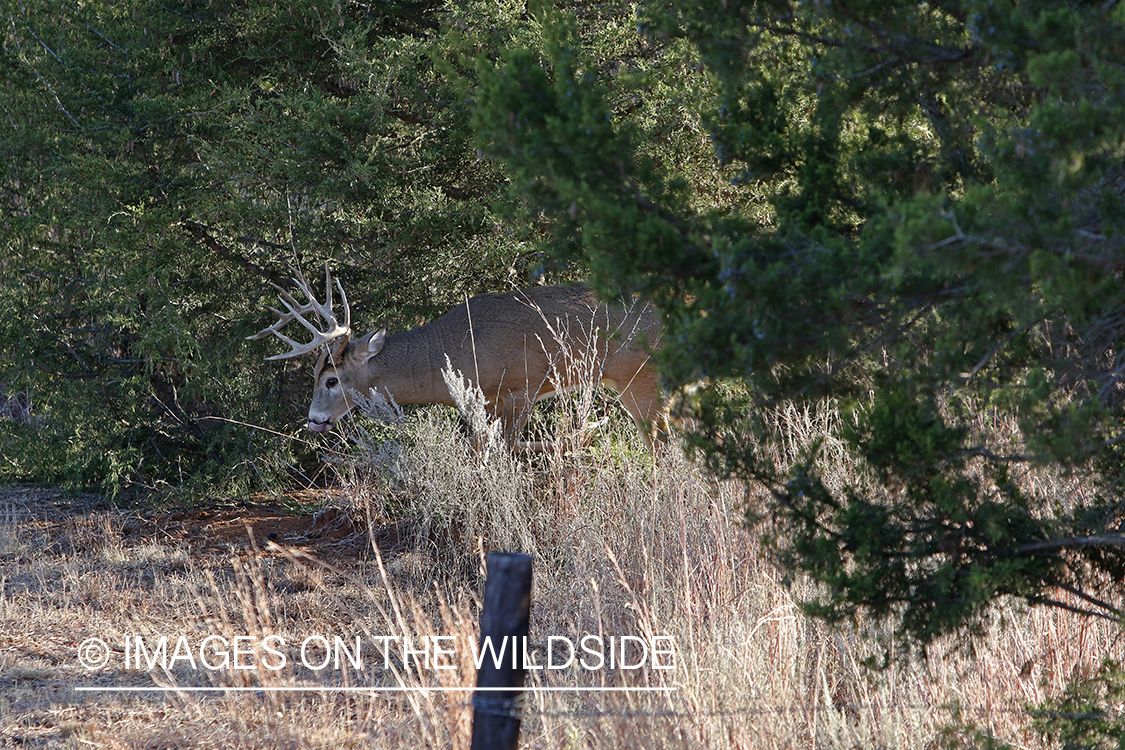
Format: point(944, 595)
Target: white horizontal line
point(277, 689)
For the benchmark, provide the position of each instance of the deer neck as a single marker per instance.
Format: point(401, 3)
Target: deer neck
point(409, 369)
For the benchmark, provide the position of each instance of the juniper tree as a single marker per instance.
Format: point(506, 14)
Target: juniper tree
point(163, 162)
point(920, 221)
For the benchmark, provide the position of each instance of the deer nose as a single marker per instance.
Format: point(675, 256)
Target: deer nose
point(318, 426)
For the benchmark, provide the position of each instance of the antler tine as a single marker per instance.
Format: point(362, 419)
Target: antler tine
point(326, 312)
point(296, 311)
point(347, 310)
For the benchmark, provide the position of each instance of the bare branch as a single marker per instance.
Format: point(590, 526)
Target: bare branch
point(1076, 542)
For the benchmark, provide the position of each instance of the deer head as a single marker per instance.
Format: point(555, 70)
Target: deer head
point(341, 359)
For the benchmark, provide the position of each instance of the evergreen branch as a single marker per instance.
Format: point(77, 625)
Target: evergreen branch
point(103, 37)
point(60, 374)
point(983, 452)
point(1071, 608)
point(1083, 595)
point(23, 58)
point(798, 33)
point(977, 452)
point(403, 116)
point(203, 233)
point(904, 43)
point(889, 334)
point(999, 248)
point(984, 360)
point(1075, 542)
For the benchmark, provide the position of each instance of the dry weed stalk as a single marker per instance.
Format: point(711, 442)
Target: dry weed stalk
point(622, 547)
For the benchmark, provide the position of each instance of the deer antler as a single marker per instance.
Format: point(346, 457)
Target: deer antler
point(333, 330)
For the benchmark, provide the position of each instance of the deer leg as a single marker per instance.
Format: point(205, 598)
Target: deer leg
point(515, 409)
point(641, 398)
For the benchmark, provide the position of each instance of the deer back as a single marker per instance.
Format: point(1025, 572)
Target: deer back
point(530, 341)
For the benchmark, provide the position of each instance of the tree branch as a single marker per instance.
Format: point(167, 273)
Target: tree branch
point(202, 232)
point(1076, 542)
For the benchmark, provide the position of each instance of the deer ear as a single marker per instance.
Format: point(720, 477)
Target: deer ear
point(371, 344)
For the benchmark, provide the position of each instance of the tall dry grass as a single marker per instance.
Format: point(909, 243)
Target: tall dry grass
point(624, 544)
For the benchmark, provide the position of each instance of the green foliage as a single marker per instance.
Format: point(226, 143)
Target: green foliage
point(162, 162)
point(1089, 713)
point(914, 209)
point(1086, 717)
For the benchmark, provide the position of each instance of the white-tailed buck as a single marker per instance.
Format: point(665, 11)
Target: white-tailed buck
point(517, 347)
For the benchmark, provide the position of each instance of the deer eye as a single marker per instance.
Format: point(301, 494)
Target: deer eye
point(331, 383)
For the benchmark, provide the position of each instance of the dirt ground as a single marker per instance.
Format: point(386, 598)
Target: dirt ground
point(326, 533)
point(75, 567)
point(309, 524)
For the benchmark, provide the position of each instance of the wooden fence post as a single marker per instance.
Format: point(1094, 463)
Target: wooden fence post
point(504, 620)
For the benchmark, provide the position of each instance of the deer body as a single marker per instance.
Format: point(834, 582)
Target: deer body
point(517, 348)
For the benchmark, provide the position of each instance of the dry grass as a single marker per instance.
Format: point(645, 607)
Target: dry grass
point(622, 547)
